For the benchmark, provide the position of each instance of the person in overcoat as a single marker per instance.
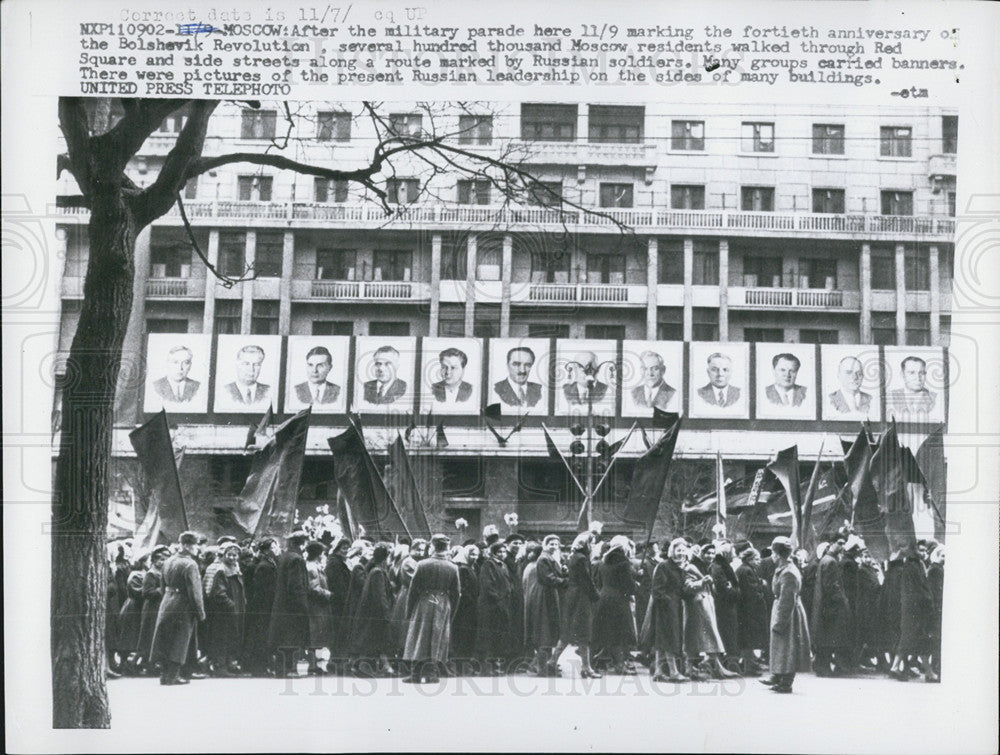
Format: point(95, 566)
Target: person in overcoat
point(372, 641)
point(935, 576)
point(516, 563)
point(726, 592)
point(663, 626)
point(789, 626)
point(288, 632)
point(542, 608)
point(463, 630)
point(401, 573)
point(338, 582)
point(261, 581)
point(578, 606)
point(752, 609)
point(320, 620)
point(830, 620)
point(152, 595)
point(614, 625)
point(431, 603)
point(181, 609)
point(916, 608)
point(358, 557)
point(225, 608)
point(494, 609)
point(701, 631)
point(130, 618)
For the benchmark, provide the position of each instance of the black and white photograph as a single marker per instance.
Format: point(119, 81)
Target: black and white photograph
point(586, 376)
point(719, 380)
point(316, 373)
point(384, 375)
point(177, 372)
point(451, 376)
point(916, 384)
point(852, 383)
point(786, 381)
point(652, 376)
point(519, 375)
point(246, 374)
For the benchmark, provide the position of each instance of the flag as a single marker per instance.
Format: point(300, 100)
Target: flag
point(253, 432)
point(649, 478)
point(645, 438)
point(825, 494)
point(930, 459)
point(493, 412)
point(889, 475)
point(740, 494)
point(663, 420)
point(402, 486)
point(269, 496)
point(861, 498)
point(806, 536)
point(720, 487)
point(165, 517)
point(786, 468)
point(440, 439)
point(358, 479)
point(347, 525)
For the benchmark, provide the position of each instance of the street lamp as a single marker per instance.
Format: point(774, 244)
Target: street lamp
point(590, 369)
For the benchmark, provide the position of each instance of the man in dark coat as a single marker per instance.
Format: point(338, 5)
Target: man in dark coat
point(516, 563)
point(152, 596)
point(372, 639)
point(541, 609)
point(261, 580)
point(225, 605)
point(180, 611)
point(789, 626)
point(830, 620)
point(727, 596)
point(338, 582)
point(751, 609)
point(431, 604)
point(493, 617)
point(288, 633)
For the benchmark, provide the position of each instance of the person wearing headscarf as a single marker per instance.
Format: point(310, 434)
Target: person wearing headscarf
point(372, 640)
point(358, 556)
point(752, 608)
point(529, 589)
point(494, 609)
point(432, 601)
point(338, 582)
point(152, 594)
point(320, 620)
point(463, 630)
point(614, 625)
point(261, 582)
point(288, 633)
point(789, 626)
point(183, 606)
point(663, 627)
point(578, 607)
point(225, 607)
point(541, 608)
point(130, 617)
point(701, 632)
point(830, 621)
point(400, 574)
point(726, 593)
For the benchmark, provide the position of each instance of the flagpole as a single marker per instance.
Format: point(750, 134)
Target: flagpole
point(810, 494)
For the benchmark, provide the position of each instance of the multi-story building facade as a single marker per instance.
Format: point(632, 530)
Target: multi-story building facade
point(763, 224)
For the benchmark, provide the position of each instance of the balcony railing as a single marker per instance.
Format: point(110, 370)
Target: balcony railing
point(169, 287)
point(363, 290)
point(791, 297)
point(587, 153)
point(567, 292)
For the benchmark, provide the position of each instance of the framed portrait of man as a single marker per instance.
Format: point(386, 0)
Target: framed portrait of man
point(246, 374)
point(384, 375)
point(586, 374)
point(719, 380)
point(852, 378)
point(177, 372)
point(316, 374)
point(916, 383)
point(652, 376)
point(786, 380)
point(451, 376)
point(519, 375)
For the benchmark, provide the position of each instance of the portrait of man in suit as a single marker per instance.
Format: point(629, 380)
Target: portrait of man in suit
point(317, 389)
point(176, 387)
point(653, 391)
point(784, 391)
point(386, 388)
point(913, 398)
point(451, 388)
point(718, 392)
point(517, 389)
point(849, 398)
point(583, 386)
point(245, 390)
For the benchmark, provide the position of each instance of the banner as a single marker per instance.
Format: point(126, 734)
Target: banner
point(890, 475)
point(649, 477)
point(786, 468)
point(165, 516)
point(402, 486)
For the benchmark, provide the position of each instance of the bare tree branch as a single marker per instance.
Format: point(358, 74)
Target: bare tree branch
point(225, 280)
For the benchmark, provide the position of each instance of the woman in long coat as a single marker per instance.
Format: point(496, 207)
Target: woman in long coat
point(289, 628)
point(130, 617)
point(152, 594)
point(541, 609)
point(225, 609)
point(373, 639)
point(614, 625)
point(400, 576)
point(338, 581)
point(261, 582)
point(830, 623)
point(493, 614)
point(663, 627)
point(726, 592)
point(578, 607)
point(916, 608)
point(463, 630)
point(789, 625)
point(701, 632)
point(319, 601)
point(752, 609)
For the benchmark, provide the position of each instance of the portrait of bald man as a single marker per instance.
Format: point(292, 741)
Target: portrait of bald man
point(580, 390)
point(653, 391)
point(176, 386)
point(386, 388)
point(849, 398)
point(718, 392)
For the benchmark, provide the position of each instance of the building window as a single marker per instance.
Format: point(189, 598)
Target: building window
point(951, 204)
point(764, 335)
point(228, 313)
point(705, 270)
point(671, 327)
point(402, 190)
point(606, 268)
point(232, 254)
point(616, 195)
point(815, 272)
point(917, 269)
point(762, 271)
point(949, 134)
point(392, 265)
point(548, 123)
point(488, 258)
point(170, 262)
point(388, 328)
point(174, 122)
point(454, 262)
point(687, 197)
point(883, 328)
point(333, 127)
point(255, 188)
point(336, 264)
point(486, 323)
point(897, 202)
point(612, 124)
point(883, 268)
point(330, 190)
point(548, 330)
point(473, 191)
point(828, 139)
point(605, 332)
point(191, 188)
point(166, 325)
point(918, 329)
point(828, 200)
point(896, 141)
point(706, 324)
point(406, 124)
point(545, 194)
point(670, 263)
point(812, 335)
point(462, 478)
point(475, 129)
point(757, 198)
point(758, 137)
point(258, 124)
point(332, 328)
point(687, 135)
point(264, 318)
point(267, 256)
point(550, 267)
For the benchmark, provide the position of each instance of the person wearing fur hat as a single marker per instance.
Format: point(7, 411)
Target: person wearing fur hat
point(432, 601)
point(494, 609)
point(516, 562)
point(319, 602)
point(701, 630)
point(401, 570)
point(830, 620)
point(752, 608)
point(726, 592)
point(614, 625)
point(463, 630)
point(789, 625)
point(491, 534)
point(180, 611)
point(372, 640)
point(152, 595)
point(578, 607)
point(225, 607)
point(261, 582)
point(663, 627)
point(288, 633)
point(338, 582)
point(130, 616)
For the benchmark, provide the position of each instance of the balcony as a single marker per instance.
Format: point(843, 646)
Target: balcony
point(328, 290)
point(584, 293)
point(793, 298)
point(586, 153)
point(942, 165)
point(174, 288)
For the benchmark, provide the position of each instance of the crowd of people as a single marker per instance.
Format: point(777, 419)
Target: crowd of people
point(426, 609)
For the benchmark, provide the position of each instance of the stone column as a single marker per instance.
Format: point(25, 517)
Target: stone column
point(934, 273)
point(212, 253)
point(285, 286)
point(506, 271)
point(865, 280)
point(250, 256)
point(470, 285)
point(652, 283)
point(688, 291)
point(900, 294)
point(723, 289)
point(435, 311)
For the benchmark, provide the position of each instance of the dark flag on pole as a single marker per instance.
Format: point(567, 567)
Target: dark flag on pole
point(649, 477)
point(267, 502)
point(253, 432)
point(862, 498)
point(889, 477)
point(402, 486)
point(165, 517)
point(786, 468)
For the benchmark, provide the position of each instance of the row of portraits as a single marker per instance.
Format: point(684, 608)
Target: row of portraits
point(459, 376)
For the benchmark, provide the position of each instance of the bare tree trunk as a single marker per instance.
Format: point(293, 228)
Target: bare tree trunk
point(80, 499)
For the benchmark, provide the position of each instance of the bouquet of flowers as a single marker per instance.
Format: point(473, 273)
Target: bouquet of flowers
point(511, 521)
point(461, 524)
